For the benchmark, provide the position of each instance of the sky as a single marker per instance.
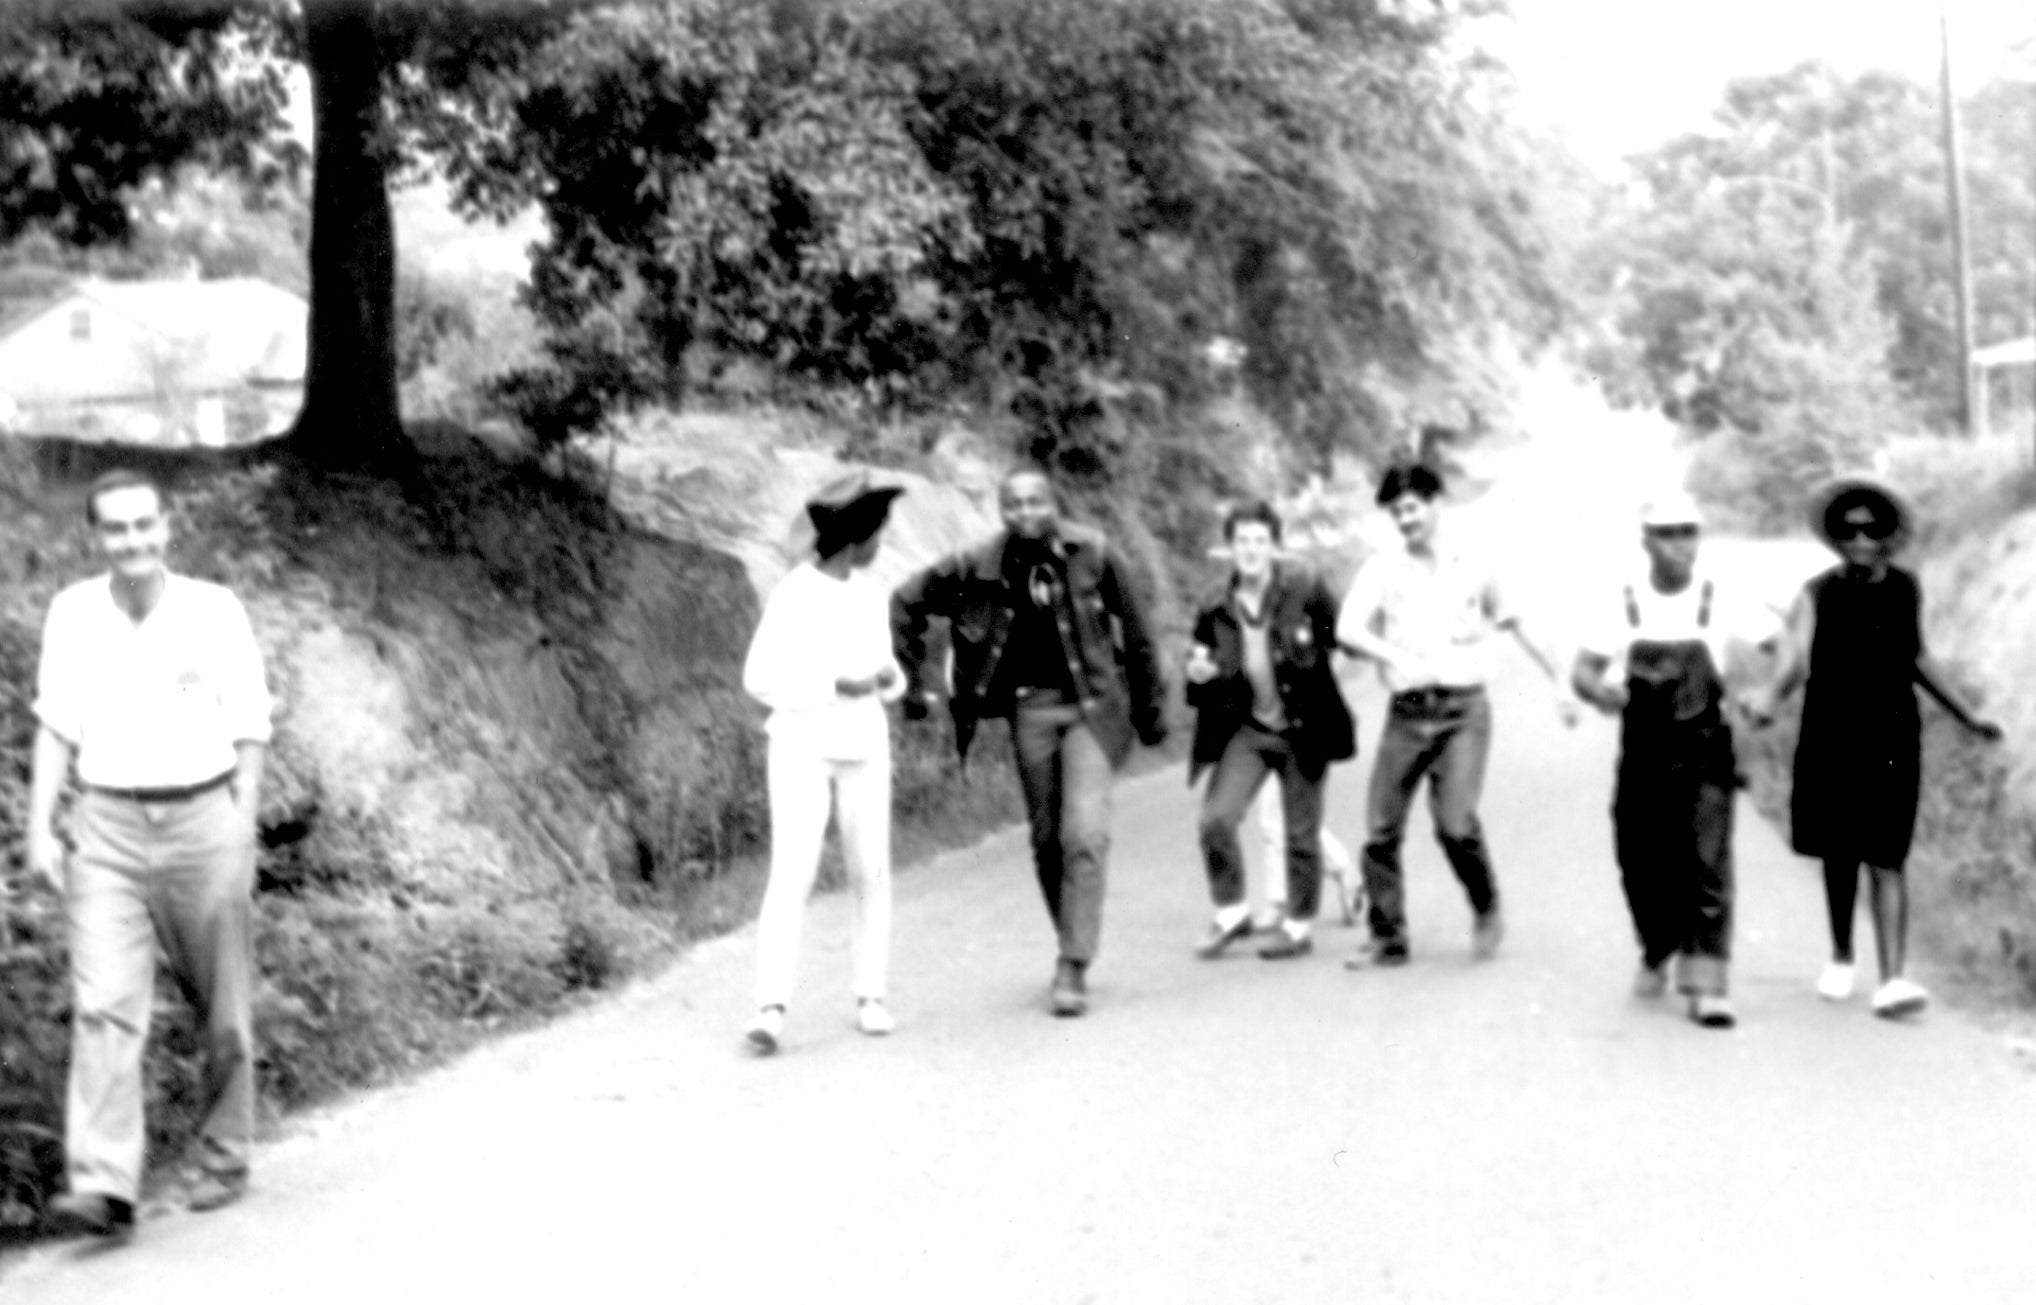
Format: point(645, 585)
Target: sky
point(1619, 76)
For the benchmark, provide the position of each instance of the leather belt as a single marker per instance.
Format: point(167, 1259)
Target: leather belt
point(1432, 696)
point(178, 793)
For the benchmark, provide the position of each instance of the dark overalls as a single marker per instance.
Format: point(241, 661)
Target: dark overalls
point(1672, 810)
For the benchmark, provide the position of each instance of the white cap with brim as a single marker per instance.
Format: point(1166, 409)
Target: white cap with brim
point(1676, 508)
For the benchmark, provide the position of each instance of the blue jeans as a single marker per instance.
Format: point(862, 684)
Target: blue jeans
point(1248, 758)
point(1445, 735)
point(1066, 777)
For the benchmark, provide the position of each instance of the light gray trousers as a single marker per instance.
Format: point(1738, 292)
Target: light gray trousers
point(179, 875)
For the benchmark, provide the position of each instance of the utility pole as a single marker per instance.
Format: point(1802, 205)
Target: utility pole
point(1954, 180)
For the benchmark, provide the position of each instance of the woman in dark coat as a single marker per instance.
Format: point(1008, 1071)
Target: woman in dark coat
point(1856, 637)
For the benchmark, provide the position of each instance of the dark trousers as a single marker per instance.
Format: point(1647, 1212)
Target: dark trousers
point(1672, 827)
point(1067, 778)
point(1250, 756)
point(1446, 736)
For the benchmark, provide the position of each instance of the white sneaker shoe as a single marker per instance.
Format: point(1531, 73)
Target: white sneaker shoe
point(1835, 983)
point(765, 1030)
point(874, 1018)
point(1899, 997)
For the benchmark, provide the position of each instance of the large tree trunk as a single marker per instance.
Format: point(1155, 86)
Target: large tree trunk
point(350, 417)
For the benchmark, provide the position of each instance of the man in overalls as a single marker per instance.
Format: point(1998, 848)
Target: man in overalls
point(1660, 666)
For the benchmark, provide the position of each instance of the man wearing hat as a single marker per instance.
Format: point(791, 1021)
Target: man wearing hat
point(1048, 633)
point(1856, 637)
point(821, 662)
point(1658, 662)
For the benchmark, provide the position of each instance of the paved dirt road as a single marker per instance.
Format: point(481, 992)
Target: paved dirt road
point(1520, 1130)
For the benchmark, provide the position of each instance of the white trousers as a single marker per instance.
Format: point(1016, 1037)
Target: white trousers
point(804, 788)
point(1339, 870)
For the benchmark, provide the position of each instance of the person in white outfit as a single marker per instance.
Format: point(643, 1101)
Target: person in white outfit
point(821, 662)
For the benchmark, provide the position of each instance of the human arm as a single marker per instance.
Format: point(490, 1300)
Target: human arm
point(1791, 663)
point(1545, 656)
point(249, 760)
point(53, 755)
point(1359, 623)
point(1140, 659)
point(915, 604)
point(1587, 679)
point(1935, 683)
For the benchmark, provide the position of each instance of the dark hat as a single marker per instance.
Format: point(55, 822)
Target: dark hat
point(848, 510)
point(1864, 500)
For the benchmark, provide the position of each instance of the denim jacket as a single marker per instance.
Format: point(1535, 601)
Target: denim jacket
point(1110, 657)
point(1301, 637)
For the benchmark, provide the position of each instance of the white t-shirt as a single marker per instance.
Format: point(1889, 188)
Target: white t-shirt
point(1443, 608)
point(815, 630)
point(1677, 618)
point(157, 703)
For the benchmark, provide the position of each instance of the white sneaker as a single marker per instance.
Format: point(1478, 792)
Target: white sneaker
point(1899, 997)
point(765, 1030)
point(1835, 983)
point(873, 1018)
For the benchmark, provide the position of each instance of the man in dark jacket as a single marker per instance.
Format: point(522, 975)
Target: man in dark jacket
point(1267, 703)
point(1047, 633)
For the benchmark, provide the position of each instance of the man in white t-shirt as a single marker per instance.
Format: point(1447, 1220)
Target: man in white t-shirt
point(151, 691)
point(1657, 659)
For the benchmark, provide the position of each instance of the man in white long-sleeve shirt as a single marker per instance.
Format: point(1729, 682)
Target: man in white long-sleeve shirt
point(821, 661)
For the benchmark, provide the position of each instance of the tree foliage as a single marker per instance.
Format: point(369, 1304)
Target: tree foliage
point(1862, 155)
point(1053, 205)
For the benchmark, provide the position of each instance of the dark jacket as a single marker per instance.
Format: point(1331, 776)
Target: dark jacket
point(1110, 657)
point(1300, 636)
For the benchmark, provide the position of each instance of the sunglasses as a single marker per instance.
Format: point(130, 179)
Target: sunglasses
point(1672, 532)
point(1878, 531)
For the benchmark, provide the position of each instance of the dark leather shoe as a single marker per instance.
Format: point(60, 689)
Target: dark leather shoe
point(1218, 939)
point(1070, 994)
point(89, 1214)
point(1286, 947)
point(1376, 955)
point(211, 1190)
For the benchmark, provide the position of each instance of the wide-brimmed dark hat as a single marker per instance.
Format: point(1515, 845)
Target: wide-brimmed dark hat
point(848, 510)
point(1862, 500)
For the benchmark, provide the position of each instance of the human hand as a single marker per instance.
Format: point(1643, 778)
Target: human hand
point(1757, 706)
point(1201, 664)
point(1566, 709)
point(1611, 699)
point(1988, 731)
point(885, 679)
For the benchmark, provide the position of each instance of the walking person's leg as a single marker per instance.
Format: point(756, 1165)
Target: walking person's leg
point(113, 963)
point(1272, 836)
point(1707, 955)
point(1237, 778)
point(801, 793)
point(202, 901)
point(1301, 802)
point(1841, 899)
point(1402, 757)
point(862, 813)
point(1647, 839)
point(1897, 994)
point(1087, 780)
point(1035, 747)
point(1457, 787)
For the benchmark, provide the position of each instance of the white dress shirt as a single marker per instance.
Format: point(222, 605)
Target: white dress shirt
point(815, 630)
point(1443, 608)
point(154, 703)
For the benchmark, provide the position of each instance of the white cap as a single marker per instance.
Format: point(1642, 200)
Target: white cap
point(1674, 508)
